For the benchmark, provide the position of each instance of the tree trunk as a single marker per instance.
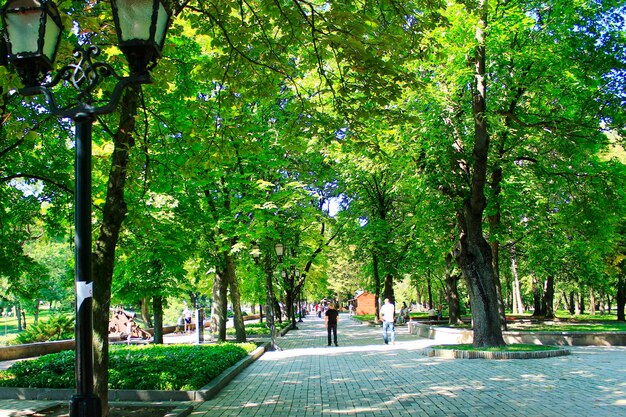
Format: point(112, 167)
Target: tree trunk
point(567, 301)
point(592, 302)
point(157, 307)
point(376, 284)
point(494, 224)
point(430, 289)
point(452, 293)
point(145, 312)
point(418, 295)
point(581, 300)
point(548, 297)
point(113, 215)
point(601, 304)
point(36, 317)
point(518, 304)
point(18, 315)
point(621, 296)
point(474, 257)
point(536, 297)
point(389, 288)
point(235, 298)
point(269, 310)
point(219, 309)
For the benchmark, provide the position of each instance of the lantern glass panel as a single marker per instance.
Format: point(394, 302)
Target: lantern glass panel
point(161, 26)
point(51, 38)
point(135, 17)
point(23, 30)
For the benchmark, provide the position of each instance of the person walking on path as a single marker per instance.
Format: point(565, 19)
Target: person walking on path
point(387, 313)
point(187, 317)
point(332, 317)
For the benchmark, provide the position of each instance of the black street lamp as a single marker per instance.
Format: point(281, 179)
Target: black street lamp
point(256, 255)
point(280, 251)
point(31, 31)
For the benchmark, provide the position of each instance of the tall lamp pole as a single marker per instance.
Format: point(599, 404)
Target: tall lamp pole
point(31, 32)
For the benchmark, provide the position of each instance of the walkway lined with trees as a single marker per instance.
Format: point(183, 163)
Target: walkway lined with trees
point(362, 377)
point(471, 150)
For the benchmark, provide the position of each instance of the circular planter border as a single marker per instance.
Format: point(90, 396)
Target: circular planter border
point(478, 354)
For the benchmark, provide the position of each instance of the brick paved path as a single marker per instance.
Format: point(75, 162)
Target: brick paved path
point(363, 377)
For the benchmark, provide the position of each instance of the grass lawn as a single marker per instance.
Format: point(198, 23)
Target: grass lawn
point(610, 326)
point(364, 317)
point(8, 325)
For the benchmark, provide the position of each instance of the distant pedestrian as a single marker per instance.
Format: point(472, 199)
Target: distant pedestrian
point(387, 315)
point(332, 318)
point(187, 317)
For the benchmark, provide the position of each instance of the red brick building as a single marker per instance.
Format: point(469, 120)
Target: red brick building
point(365, 303)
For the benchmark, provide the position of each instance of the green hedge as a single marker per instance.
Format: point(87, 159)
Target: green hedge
point(259, 329)
point(152, 367)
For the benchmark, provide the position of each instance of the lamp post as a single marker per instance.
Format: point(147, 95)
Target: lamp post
point(256, 255)
point(279, 249)
point(32, 30)
point(300, 285)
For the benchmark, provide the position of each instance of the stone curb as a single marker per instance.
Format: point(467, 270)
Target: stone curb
point(205, 393)
point(477, 354)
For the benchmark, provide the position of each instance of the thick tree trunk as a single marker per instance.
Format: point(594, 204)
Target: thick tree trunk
point(548, 297)
point(483, 299)
point(219, 309)
point(494, 224)
point(452, 293)
point(157, 307)
point(592, 302)
point(113, 215)
point(573, 303)
point(235, 298)
point(474, 257)
point(389, 288)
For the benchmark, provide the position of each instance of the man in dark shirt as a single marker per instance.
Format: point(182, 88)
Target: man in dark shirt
point(332, 317)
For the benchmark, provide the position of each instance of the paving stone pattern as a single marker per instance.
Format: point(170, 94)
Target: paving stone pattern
point(364, 377)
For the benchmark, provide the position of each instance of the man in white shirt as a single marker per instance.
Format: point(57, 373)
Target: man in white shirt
point(387, 313)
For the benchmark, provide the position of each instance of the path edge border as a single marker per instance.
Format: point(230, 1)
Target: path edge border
point(205, 393)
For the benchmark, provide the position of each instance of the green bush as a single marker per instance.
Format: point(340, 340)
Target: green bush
point(55, 328)
point(259, 329)
point(152, 367)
